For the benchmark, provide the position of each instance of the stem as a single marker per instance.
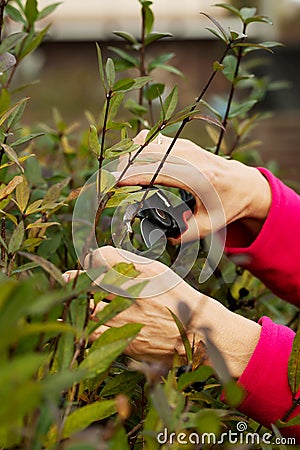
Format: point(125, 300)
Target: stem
point(101, 156)
point(142, 62)
point(296, 402)
point(2, 6)
point(232, 90)
point(18, 60)
point(3, 235)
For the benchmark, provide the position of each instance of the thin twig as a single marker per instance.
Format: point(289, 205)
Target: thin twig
point(102, 148)
point(2, 7)
point(232, 90)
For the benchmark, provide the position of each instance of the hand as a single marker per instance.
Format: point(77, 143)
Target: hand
point(225, 190)
point(235, 336)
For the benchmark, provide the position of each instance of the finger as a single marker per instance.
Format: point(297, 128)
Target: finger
point(71, 274)
point(141, 138)
point(172, 175)
point(98, 332)
point(109, 256)
point(194, 230)
point(159, 277)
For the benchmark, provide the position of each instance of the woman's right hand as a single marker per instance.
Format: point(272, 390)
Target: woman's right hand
point(225, 190)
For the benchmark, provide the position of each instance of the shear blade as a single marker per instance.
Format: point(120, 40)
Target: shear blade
point(150, 233)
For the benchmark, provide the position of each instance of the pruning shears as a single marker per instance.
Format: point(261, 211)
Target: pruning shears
point(158, 217)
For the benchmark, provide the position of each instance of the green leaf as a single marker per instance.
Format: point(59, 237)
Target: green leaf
point(131, 60)
point(50, 268)
point(230, 8)
point(123, 85)
point(11, 154)
point(17, 113)
point(127, 331)
point(114, 105)
point(234, 393)
point(6, 114)
point(208, 422)
point(169, 105)
point(140, 82)
point(188, 378)
point(82, 417)
point(153, 91)
point(229, 64)
point(160, 59)
point(124, 146)
point(110, 72)
point(22, 195)
point(120, 273)
point(54, 192)
point(149, 17)
point(100, 65)
point(294, 365)
point(217, 66)
point(263, 19)
point(11, 41)
point(31, 11)
point(223, 33)
point(32, 42)
point(14, 14)
point(98, 361)
point(25, 139)
point(170, 69)
point(16, 239)
point(113, 308)
point(216, 33)
point(247, 13)
point(47, 10)
point(185, 340)
point(125, 382)
point(94, 143)
point(127, 36)
point(155, 36)
point(124, 199)
point(241, 108)
point(5, 101)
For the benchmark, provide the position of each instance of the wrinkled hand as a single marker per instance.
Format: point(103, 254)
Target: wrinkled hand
point(159, 336)
point(234, 335)
point(225, 190)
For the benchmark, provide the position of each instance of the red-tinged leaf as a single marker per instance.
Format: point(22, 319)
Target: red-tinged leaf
point(209, 119)
point(16, 238)
point(6, 190)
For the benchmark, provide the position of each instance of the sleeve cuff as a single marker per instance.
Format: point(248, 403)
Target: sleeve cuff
point(265, 379)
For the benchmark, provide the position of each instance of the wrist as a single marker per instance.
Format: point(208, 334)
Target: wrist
point(235, 336)
point(260, 196)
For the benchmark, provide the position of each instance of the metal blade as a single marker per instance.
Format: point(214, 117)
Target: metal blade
point(150, 233)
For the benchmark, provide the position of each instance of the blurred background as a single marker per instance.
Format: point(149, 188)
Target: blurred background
point(67, 70)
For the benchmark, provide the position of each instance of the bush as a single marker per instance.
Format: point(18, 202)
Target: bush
point(59, 390)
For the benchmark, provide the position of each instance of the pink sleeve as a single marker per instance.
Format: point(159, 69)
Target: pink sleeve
point(274, 256)
point(265, 379)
